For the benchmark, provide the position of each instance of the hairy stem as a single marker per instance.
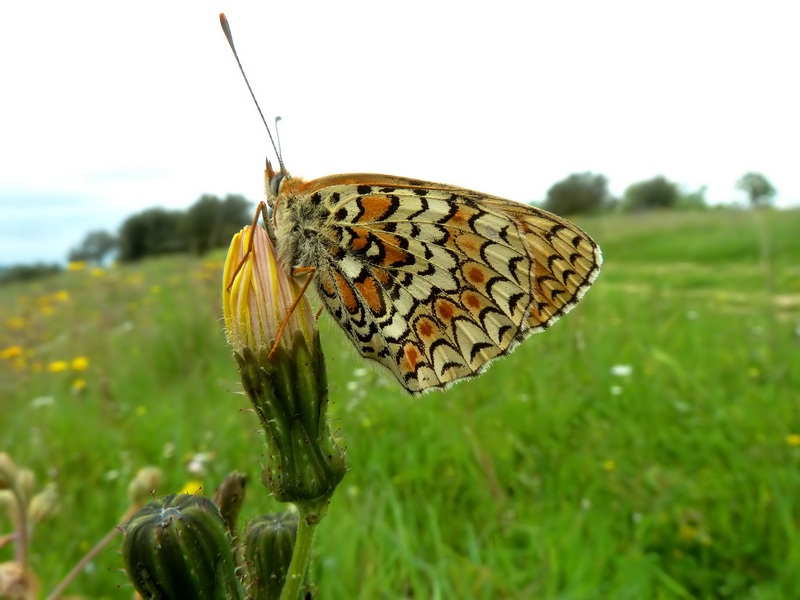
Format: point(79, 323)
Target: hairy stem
point(301, 557)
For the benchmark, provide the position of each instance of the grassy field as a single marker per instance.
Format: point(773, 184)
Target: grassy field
point(646, 447)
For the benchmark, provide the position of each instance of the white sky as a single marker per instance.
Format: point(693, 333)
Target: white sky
point(109, 108)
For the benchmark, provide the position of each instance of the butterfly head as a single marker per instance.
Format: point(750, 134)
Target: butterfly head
point(273, 181)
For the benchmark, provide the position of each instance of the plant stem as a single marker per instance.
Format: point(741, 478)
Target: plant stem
point(301, 556)
point(20, 518)
point(59, 589)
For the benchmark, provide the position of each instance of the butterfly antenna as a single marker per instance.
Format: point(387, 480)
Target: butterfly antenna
point(227, 30)
point(278, 136)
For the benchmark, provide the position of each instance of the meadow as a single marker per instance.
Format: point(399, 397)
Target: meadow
point(647, 446)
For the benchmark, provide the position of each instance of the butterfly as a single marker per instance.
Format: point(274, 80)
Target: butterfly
point(432, 281)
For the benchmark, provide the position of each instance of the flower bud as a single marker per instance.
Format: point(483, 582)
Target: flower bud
point(230, 497)
point(44, 504)
point(143, 485)
point(257, 298)
point(270, 541)
point(26, 481)
point(285, 382)
point(8, 501)
point(8, 472)
point(17, 582)
point(177, 547)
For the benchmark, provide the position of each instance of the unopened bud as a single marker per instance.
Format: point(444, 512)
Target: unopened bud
point(230, 497)
point(8, 472)
point(272, 329)
point(270, 541)
point(178, 547)
point(26, 481)
point(17, 582)
point(8, 501)
point(44, 504)
point(143, 485)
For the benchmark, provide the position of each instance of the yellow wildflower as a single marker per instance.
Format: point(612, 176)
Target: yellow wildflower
point(260, 296)
point(78, 386)
point(192, 487)
point(57, 366)
point(61, 296)
point(11, 352)
point(97, 272)
point(80, 363)
point(793, 439)
point(609, 465)
point(77, 265)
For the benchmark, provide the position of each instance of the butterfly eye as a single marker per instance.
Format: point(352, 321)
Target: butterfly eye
point(275, 183)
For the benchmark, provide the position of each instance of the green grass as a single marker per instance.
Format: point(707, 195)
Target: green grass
point(548, 477)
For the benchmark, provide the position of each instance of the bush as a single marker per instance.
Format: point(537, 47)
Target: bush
point(579, 193)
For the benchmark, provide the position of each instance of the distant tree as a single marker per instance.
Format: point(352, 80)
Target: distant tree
point(656, 193)
point(211, 222)
point(578, 193)
point(695, 200)
point(759, 190)
point(94, 248)
point(27, 272)
point(150, 233)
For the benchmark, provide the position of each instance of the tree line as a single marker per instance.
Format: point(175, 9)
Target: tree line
point(587, 193)
point(211, 222)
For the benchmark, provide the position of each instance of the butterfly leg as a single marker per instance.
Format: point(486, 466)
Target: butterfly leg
point(261, 211)
point(295, 272)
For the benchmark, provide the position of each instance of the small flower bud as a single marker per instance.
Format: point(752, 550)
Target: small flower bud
point(44, 504)
point(8, 501)
point(177, 547)
point(270, 541)
point(8, 472)
point(26, 481)
point(230, 497)
point(143, 485)
point(17, 582)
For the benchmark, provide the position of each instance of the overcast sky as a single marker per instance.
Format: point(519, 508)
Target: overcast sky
point(109, 108)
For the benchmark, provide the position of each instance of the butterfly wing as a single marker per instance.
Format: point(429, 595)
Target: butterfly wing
point(434, 281)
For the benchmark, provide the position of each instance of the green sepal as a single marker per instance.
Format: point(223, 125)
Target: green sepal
point(289, 392)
